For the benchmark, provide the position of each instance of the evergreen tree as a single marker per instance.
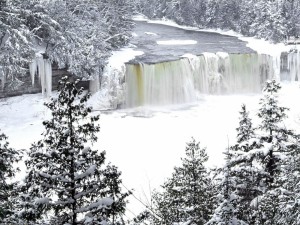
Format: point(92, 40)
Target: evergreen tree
point(169, 204)
point(288, 206)
point(8, 157)
point(197, 187)
point(68, 181)
point(242, 161)
point(229, 14)
point(226, 211)
point(278, 143)
point(275, 136)
point(188, 195)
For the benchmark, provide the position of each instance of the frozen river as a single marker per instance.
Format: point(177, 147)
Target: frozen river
point(164, 43)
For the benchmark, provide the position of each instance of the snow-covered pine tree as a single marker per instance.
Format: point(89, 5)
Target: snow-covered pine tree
point(289, 206)
point(226, 210)
point(278, 143)
point(8, 157)
point(168, 204)
point(275, 137)
point(197, 187)
point(187, 196)
point(243, 166)
point(67, 179)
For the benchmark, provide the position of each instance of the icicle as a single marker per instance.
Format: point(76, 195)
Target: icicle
point(32, 70)
point(2, 78)
point(48, 77)
point(41, 72)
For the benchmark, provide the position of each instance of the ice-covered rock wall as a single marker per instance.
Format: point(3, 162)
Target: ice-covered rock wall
point(184, 80)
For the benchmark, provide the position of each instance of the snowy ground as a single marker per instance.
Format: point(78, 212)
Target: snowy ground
point(147, 143)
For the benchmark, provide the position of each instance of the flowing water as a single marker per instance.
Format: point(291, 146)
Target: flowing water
point(184, 80)
point(204, 63)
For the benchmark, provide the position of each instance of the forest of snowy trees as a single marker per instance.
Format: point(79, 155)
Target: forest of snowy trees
point(259, 183)
point(78, 35)
point(275, 20)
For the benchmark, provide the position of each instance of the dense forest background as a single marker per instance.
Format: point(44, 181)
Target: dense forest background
point(275, 20)
point(78, 35)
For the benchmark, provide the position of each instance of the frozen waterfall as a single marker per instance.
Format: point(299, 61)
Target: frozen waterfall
point(184, 80)
point(43, 69)
point(293, 65)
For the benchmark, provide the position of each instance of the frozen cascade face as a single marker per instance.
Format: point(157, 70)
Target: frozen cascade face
point(2, 78)
point(293, 65)
point(43, 69)
point(160, 84)
point(184, 80)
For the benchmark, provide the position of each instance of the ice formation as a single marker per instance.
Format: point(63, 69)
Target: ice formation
point(2, 78)
point(43, 69)
point(293, 65)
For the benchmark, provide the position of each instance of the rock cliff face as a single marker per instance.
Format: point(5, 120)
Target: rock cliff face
point(26, 86)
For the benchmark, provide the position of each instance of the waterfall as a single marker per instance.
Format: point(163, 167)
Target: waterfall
point(160, 84)
point(184, 80)
point(293, 65)
point(42, 67)
point(290, 66)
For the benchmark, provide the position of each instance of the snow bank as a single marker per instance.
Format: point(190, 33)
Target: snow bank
point(112, 81)
point(163, 21)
